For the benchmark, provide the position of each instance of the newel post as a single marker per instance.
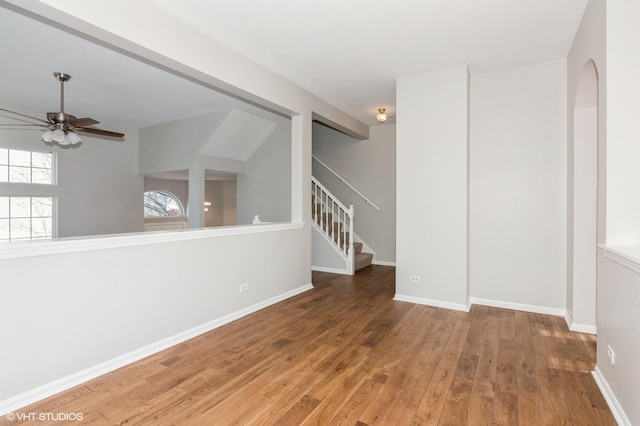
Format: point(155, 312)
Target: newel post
point(350, 251)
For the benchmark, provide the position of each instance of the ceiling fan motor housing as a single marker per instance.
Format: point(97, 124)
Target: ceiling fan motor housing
point(60, 120)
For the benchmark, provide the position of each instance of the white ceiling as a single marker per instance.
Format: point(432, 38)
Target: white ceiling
point(348, 52)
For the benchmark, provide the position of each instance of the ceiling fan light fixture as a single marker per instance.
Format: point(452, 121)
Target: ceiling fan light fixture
point(73, 138)
point(58, 136)
point(47, 136)
point(381, 117)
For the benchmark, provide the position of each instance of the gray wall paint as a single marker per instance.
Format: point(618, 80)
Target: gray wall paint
point(179, 188)
point(265, 189)
point(517, 237)
point(324, 255)
point(222, 196)
point(229, 202)
point(176, 145)
point(370, 166)
point(99, 190)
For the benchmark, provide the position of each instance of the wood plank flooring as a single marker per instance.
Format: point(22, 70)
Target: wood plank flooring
point(346, 353)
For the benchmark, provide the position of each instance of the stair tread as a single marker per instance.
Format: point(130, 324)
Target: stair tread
point(362, 260)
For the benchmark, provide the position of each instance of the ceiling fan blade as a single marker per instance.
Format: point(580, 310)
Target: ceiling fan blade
point(23, 125)
point(25, 115)
point(81, 122)
point(100, 132)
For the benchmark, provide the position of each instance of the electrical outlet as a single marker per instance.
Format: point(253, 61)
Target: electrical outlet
point(243, 287)
point(415, 278)
point(611, 354)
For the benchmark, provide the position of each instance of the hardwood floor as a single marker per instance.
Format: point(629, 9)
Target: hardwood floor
point(346, 353)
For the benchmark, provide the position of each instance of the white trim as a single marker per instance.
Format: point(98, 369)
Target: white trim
point(70, 245)
point(57, 386)
point(629, 257)
point(165, 225)
point(431, 302)
point(610, 397)
point(332, 270)
point(518, 306)
point(383, 263)
point(579, 328)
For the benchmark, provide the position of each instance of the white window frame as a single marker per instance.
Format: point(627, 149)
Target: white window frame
point(31, 217)
point(12, 189)
point(54, 168)
point(183, 213)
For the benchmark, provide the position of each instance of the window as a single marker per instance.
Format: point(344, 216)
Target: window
point(26, 167)
point(26, 218)
point(162, 204)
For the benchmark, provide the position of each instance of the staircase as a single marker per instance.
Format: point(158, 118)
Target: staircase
point(334, 221)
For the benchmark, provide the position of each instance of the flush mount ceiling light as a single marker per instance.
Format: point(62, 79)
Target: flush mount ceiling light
point(382, 115)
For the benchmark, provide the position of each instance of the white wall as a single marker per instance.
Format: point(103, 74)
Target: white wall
point(623, 130)
point(432, 187)
point(69, 287)
point(617, 310)
point(618, 319)
point(588, 45)
point(176, 145)
point(64, 313)
point(370, 166)
point(518, 194)
point(265, 189)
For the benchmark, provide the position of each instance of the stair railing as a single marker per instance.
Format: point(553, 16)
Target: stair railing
point(335, 221)
point(343, 180)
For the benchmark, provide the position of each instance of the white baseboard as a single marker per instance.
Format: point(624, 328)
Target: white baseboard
point(383, 263)
point(331, 270)
point(431, 302)
point(579, 328)
point(609, 396)
point(29, 397)
point(517, 306)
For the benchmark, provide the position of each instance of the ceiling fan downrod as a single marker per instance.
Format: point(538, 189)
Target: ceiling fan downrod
point(60, 117)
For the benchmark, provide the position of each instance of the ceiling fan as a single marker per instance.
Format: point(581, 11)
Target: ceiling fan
point(62, 127)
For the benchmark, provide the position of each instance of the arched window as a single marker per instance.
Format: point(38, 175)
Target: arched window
point(160, 203)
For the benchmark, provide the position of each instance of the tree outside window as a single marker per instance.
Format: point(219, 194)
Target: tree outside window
point(159, 203)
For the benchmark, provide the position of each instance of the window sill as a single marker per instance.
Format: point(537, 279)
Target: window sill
point(18, 249)
point(628, 257)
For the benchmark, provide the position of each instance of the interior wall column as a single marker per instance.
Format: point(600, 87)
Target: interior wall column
point(432, 188)
point(195, 205)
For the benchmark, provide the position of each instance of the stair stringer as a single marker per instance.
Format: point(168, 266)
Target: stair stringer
point(326, 256)
point(365, 247)
point(336, 262)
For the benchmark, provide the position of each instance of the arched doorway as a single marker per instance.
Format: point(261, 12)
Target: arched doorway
point(583, 204)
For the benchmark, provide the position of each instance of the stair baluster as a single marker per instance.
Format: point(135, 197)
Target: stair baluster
point(335, 221)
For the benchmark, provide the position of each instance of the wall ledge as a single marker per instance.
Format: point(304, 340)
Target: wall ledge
point(19, 249)
point(627, 256)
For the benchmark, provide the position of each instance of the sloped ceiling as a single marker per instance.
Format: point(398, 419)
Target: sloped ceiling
point(239, 135)
point(119, 91)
